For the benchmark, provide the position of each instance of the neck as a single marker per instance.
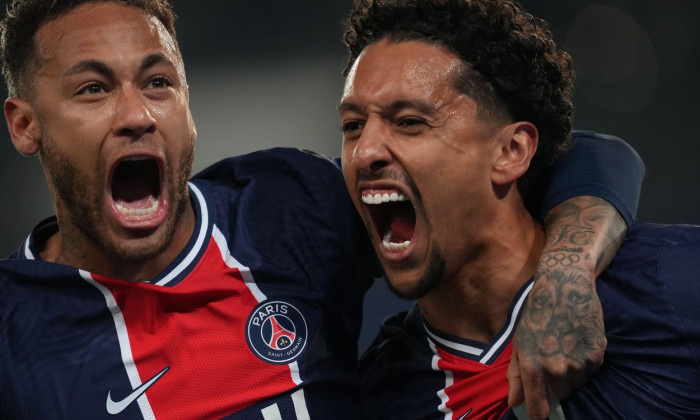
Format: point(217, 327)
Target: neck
point(69, 247)
point(473, 303)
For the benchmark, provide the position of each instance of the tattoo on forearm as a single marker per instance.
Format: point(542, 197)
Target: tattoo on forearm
point(587, 222)
point(575, 234)
point(566, 259)
point(563, 317)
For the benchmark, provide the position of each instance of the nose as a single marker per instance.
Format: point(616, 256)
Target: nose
point(133, 117)
point(371, 152)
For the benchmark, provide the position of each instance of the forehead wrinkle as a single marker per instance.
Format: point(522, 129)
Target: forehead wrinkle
point(105, 70)
point(419, 105)
point(349, 107)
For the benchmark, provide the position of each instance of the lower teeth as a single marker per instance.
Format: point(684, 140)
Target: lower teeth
point(152, 207)
point(394, 246)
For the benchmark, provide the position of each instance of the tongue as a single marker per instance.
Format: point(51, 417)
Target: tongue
point(402, 225)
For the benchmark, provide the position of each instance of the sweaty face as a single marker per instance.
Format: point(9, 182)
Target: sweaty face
point(117, 137)
point(416, 160)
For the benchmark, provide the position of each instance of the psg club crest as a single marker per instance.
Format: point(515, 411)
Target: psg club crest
point(276, 332)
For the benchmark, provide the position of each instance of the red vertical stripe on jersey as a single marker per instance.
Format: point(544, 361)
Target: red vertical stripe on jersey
point(197, 328)
point(477, 386)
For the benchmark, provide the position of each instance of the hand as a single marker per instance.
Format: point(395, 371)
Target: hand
point(560, 341)
point(561, 337)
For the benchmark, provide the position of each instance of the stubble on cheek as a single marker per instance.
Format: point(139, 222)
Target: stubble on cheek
point(426, 282)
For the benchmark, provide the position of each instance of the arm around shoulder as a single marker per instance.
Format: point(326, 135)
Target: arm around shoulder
point(591, 199)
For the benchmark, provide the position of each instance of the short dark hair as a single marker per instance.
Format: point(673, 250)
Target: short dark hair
point(512, 66)
point(18, 50)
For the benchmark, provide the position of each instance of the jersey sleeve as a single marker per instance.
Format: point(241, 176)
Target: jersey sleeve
point(598, 165)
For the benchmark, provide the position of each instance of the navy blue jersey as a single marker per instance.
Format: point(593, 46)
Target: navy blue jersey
point(258, 318)
point(650, 296)
point(599, 165)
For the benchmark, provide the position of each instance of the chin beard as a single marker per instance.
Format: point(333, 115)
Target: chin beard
point(425, 283)
point(71, 186)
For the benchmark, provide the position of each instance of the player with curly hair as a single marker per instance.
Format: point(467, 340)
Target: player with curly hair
point(449, 107)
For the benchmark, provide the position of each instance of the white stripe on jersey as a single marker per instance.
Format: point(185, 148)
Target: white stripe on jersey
point(511, 324)
point(249, 281)
point(449, 380)
point(203, 225)
point(230, 261)
point(124, 345)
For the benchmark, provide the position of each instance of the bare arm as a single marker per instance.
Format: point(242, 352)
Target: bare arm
point(561, 336)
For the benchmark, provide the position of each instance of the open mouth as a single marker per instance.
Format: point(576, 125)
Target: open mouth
point(393, 216)
point(136, 188)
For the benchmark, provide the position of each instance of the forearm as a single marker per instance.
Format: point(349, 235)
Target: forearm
point(561, 336)
point(584, 232)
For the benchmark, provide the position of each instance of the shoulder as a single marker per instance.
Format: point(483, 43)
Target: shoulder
point(277, 177)
point(658, 244)
point(650, 298)
point(400, 341)
point(669, 234)
point(653, 281)
point(608, 143)
point(272, 164)
point(268, 189)
point(665, 256)
point(396, 373)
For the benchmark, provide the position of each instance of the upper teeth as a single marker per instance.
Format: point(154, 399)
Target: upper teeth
point(135, 158)
point(382, 198)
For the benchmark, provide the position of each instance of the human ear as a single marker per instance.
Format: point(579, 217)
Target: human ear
point(518, 146)
point(23, 124)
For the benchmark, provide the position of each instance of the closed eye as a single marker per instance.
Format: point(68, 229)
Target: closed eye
point(408, 122)
point(412, 125)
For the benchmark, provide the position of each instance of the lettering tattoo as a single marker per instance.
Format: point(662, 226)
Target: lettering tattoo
point(588, 226)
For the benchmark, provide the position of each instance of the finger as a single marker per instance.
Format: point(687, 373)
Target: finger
point(560, 388)
point(559, 372)
point(596, 356)
point(535, 392)
point(515, 386)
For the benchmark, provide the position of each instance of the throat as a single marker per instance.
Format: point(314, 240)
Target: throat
point(463, 309)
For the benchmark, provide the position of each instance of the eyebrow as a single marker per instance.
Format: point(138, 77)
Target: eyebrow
point(103, 69)
point(89, 66)
point(154, 59)
point(348, 107)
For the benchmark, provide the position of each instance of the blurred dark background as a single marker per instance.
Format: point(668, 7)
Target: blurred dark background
point(268, 73)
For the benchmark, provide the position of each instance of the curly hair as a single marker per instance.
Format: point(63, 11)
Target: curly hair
point(513, 67)
point(18, 50)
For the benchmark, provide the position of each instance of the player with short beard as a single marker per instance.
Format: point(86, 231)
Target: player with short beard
point(452, 110)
